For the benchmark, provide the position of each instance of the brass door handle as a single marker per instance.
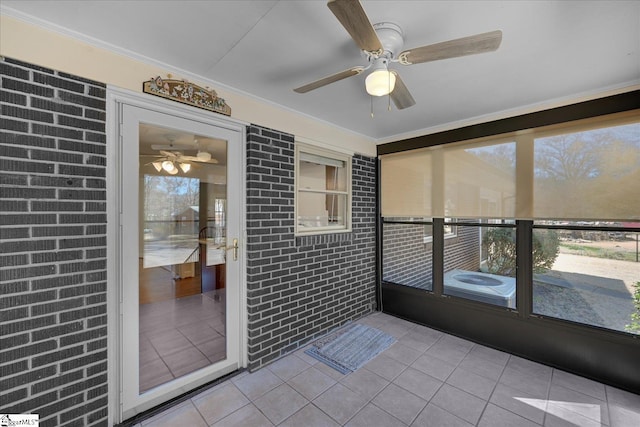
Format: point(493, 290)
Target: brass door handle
point(235, 249)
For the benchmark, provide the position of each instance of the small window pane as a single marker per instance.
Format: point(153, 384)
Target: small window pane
point(321, 210)
point(321, 173)
point(480, 265)
point(407, 260)
point(323, 190)
point(594, 279)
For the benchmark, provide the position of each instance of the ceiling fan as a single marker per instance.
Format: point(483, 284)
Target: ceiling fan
point(170, 161)
point(383, 43)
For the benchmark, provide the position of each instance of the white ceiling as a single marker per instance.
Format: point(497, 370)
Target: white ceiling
point(551, 50)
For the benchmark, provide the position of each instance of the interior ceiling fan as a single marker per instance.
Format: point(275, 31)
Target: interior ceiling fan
point(171, 158)
point(383, 43)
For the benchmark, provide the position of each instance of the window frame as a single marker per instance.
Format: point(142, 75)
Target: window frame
point(301, 147)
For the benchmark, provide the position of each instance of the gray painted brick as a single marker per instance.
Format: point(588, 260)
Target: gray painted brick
point(21, 166)
point(83, 336)
point(8, 315)
point(83, 361)
point(55, 181)
point(27, 88)
point(55, 331)
point(55, 105)
point(44, 147)
point(49, 80)
point(56, 156)
point(27, 378)
point(58, 231)
point(27, 407)
point(26, 114)
point(41, 386)
point(27, 272)
point(27, 193)
point(282, 268)
point(58, 132)
point(12, 97)
point(56, 356)
point(27, 140)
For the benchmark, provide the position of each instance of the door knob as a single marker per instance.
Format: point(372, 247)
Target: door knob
point(235, 249)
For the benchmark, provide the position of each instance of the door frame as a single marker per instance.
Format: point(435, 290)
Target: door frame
point(116, 98)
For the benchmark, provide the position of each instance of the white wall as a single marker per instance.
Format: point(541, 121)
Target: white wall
point(30, 43)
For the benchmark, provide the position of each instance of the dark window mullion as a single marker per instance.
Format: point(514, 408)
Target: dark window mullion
point(438, 256)
point(524, 268)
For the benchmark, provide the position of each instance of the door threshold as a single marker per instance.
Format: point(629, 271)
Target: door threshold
point(176, 400)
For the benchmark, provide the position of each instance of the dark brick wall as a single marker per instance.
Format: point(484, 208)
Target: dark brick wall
point(53, 359)
point(463, 250)
point(299, 288)
point(407, 260)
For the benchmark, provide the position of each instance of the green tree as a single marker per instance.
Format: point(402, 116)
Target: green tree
point(500, 246)
point(634, 326)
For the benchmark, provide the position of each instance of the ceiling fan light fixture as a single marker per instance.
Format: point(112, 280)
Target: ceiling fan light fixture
point(186, 167)
point(380, 81)
point(173, 171)
point(157, 165)
point(169, 167)
point(203, 156)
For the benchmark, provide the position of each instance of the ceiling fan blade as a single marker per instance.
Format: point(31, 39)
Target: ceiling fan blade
point(480, 43)
point(197, 160)
point(401, 96)
point(329, 79)
point(173, 147)
point(355, 20)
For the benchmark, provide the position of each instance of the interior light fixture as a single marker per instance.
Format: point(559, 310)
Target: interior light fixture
point(157, 165)
point(173, 171)
point(168, 166)
point(203, 156)
point(186, 167)
point(380, 81)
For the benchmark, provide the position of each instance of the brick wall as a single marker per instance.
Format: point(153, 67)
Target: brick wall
point(53, 359)
point(463, 250)
point(407, 260)
point(299, 288)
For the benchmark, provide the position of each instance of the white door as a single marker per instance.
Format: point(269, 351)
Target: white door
point(180, 263)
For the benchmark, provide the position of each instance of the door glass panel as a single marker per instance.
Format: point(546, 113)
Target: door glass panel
point(182, 223)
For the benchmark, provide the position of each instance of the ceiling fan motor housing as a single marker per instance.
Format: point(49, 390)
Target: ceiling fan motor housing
point(391, 38)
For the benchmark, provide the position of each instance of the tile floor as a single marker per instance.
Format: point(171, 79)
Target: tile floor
point(426, 378)
point(180, 336)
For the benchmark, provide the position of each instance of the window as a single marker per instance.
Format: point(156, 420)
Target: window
point(450, 231)
point(573, 189)
point(323, 191)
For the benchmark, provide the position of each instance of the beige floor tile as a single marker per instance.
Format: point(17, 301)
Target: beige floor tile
point(187, 414)
point(247, 416)
point(257, 383)
point(280, 403)
point(220, 402)
point(309, 416)
point(311, 383)
point(372, 416)
point(288, 367)
point(418, 383)
point(400, 403)
point(340, 403)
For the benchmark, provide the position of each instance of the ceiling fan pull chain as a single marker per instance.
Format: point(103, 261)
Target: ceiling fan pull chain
point(389, 93)
point(371, 98)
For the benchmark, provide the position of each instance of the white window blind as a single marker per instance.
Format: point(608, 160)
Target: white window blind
point(587, 170)
point(406, 184)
